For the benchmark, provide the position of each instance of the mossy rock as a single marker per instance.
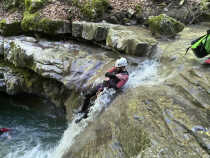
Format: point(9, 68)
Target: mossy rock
point(205, 10)
point(10, 28)
point(35, 23)
point(34, 5)
point(164, 25)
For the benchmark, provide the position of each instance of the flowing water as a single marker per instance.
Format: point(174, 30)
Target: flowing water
point(37, 135)
point(33, 132)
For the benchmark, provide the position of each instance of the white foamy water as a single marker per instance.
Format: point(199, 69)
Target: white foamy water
point(146, 73)
point(74, 129)
point(35, 152)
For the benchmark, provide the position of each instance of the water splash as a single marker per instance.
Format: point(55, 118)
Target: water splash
point(145, 73)
point(22, 151)
point(74, 129)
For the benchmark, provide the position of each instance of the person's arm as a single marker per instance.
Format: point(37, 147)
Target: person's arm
point(123, 80)
point(110, 74)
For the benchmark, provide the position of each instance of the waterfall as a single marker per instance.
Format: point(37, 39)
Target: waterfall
point(74, 129)
point(145, 73)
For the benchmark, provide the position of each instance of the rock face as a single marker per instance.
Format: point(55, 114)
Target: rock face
point(16, 80)
point(167, 118)
point(164, 25)
point(58, 72)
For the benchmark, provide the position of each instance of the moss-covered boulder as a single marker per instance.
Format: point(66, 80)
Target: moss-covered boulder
point(8, 28)
point(164, 25)
point(35, 23)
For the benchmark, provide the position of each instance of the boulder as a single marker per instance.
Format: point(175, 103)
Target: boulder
point(131, 40)
point(164, 25)
point(10, 27)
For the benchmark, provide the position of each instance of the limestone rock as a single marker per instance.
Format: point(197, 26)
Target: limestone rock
point(73, 68)
point(131, 40)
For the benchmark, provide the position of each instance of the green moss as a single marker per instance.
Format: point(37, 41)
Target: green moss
point(164, 25)
point(34, 22)
point(49, 26)
point(10, 29)
point(29, 22)
point(100, 6)
point(88, 10)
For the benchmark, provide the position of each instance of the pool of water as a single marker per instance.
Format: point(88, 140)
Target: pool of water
point(36, 127)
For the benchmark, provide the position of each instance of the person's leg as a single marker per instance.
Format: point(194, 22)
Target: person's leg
point(88, 96)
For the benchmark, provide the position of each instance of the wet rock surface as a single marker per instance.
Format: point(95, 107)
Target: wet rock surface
point(70, 66)
point(58, 71)
point(167, 118)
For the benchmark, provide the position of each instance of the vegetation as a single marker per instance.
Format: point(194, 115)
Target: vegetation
point(11, 4)
point(92, 9)
point(33, 5)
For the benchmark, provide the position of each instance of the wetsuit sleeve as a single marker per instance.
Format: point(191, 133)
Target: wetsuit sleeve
point(110, 75)
point(123, 80)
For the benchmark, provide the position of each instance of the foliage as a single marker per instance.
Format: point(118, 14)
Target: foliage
point(92, 8)
point(33, 5)
point(9, 4)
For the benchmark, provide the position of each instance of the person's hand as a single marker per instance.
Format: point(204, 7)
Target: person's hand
point(106, 79)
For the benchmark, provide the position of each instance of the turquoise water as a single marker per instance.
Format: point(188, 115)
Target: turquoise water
point(35, 126)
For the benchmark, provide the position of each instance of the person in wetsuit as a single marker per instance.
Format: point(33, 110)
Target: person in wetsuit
point(116, 78)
